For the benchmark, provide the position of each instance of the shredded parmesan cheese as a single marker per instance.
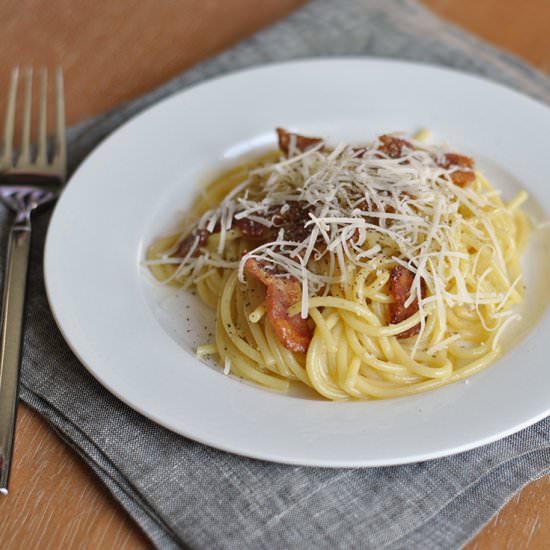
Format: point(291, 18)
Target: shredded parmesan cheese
point(227, 365)
point(364, 209)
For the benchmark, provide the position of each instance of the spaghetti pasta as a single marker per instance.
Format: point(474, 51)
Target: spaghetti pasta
point(364, 272)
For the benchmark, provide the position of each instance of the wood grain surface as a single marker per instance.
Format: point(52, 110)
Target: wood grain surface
point(111, 52)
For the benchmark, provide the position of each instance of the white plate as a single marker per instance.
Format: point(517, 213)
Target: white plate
point(135, 337)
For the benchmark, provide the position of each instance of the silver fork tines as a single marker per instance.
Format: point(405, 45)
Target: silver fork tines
point(12, 164)
point(29, 178)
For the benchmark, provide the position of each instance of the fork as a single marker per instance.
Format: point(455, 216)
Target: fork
point(29, 179)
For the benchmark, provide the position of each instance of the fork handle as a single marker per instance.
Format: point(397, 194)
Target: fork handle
point(11, 338)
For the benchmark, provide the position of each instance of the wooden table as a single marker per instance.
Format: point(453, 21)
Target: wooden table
point(113, 51)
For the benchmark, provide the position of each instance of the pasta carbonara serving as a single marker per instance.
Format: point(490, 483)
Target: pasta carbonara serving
point(362, 271)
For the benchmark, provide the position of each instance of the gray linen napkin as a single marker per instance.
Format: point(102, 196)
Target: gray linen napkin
point(185, 494)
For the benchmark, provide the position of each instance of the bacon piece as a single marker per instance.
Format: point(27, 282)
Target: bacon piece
point(393, 146)
point(401, 280)
point(185, 246)
point(281, 293)
point(254, 230)
point(293, 221)
point(302, 143)
point(365, 208)
point(460, 177)
point(388, 208)
point(454, 159)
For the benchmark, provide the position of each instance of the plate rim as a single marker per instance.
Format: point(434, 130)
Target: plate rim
point(196, 437)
